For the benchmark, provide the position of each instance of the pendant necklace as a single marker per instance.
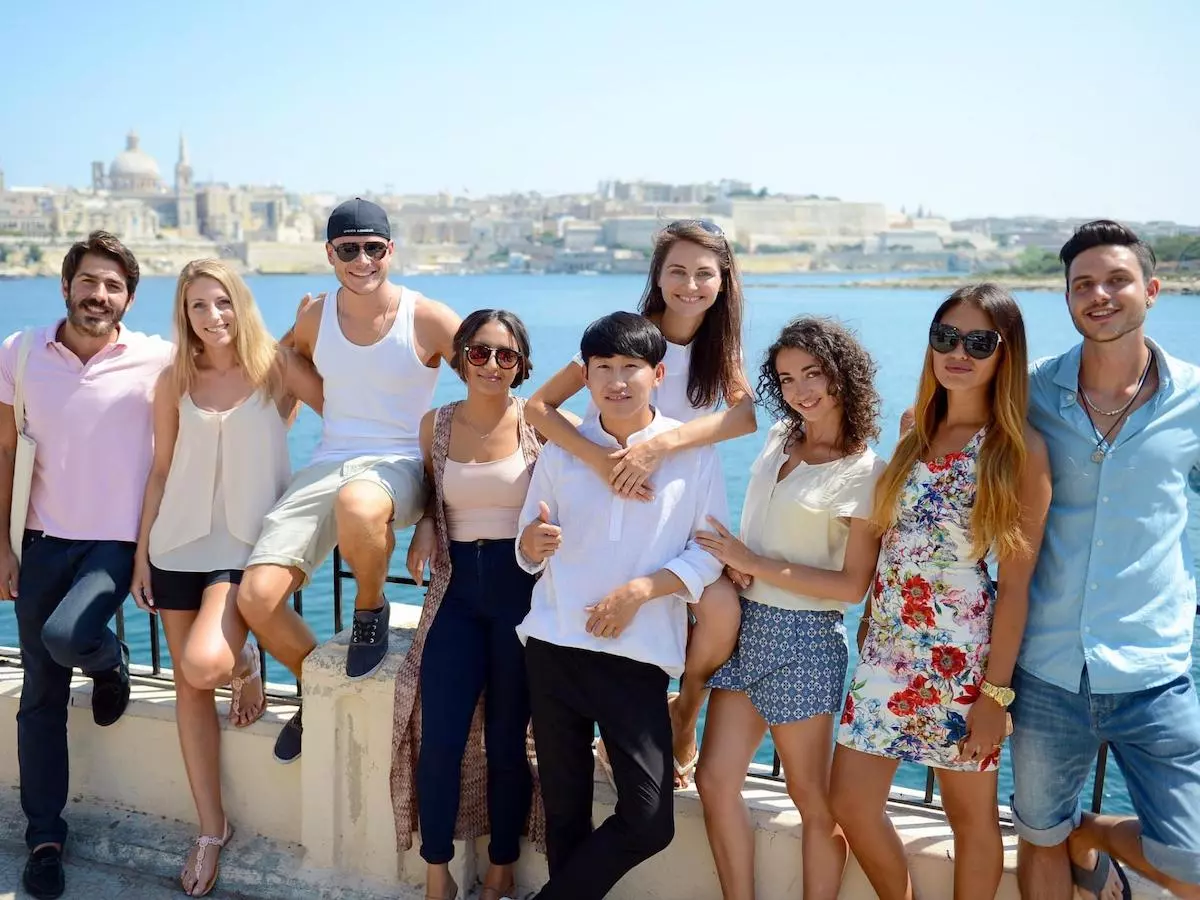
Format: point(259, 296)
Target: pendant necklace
point(1098, 453)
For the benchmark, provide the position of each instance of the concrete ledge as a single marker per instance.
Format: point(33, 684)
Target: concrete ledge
point(323, 827)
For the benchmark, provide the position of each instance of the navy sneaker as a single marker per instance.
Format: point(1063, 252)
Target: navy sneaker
point(368, 642)
point(110, 691)
point(43, 876)
point(287, 744)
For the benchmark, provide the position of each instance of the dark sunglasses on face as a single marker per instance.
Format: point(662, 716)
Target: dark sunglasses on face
point(978, 344)
point(479, 354)
point(349, 251)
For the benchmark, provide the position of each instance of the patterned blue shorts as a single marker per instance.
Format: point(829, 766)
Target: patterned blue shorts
point(791, 663)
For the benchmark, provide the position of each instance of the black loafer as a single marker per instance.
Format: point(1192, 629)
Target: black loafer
point(43, 876)
point(110, 692)
point(368, 642)
point(287, 744)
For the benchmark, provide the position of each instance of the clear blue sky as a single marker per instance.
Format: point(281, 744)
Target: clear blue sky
point(1071, 107)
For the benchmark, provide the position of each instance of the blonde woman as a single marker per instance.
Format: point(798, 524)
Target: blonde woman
point(221, 413)
point(939, 641)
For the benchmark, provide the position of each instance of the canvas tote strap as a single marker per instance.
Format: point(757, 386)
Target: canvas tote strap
point(19, 379)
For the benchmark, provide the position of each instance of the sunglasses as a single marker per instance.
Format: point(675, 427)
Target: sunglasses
point(978, 344)
point(348, 252)
point(479, 354)
point(703, 224)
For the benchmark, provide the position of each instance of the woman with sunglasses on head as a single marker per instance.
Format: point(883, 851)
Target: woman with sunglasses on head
point(221, 414)
point(694, 295)
point(479, 453)
point(939, 640)
point(807, 552)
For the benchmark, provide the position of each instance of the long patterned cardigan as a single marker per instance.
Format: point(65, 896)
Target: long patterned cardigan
point(406, 719)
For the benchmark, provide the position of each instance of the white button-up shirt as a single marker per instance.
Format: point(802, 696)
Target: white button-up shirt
point(608, 541)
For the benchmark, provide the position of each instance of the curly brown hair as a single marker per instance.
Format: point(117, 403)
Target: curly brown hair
point(844, 362)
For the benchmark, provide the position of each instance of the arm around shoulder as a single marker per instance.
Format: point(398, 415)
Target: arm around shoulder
point(435, 325)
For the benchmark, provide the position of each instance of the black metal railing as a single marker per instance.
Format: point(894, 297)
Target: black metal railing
point(340, 574)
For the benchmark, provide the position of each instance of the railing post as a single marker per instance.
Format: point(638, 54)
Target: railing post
point(1098, 785)
point(337, 590)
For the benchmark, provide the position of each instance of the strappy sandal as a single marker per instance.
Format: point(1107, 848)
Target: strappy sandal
point(201, 845)
point(238, 683)
point(684, 771)
point(453, 895)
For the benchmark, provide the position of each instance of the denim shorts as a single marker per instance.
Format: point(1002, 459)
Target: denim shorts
point(1154, 736)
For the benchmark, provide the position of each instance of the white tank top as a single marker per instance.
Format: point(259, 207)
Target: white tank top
point(375, 396)
point(227, 471)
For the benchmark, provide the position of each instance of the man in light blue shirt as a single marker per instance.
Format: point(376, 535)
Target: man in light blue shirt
point(1112, 607)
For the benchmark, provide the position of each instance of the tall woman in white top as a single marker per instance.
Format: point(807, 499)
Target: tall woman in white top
point(221, 412)
point(694, 295)
point(807, 552)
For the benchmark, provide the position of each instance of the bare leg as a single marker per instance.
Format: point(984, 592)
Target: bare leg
point(710, 643)
point(217, 649)
point(969, 799)
point(859, 788)
point(1121, 838)
point(732, 733)
point(805, 748)
point(363, 511)
point(438, 882)
point(1044, 873)
point(262, 601)
point(199, 737)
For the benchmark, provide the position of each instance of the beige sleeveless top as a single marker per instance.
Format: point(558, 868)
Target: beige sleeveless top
point(483, 500)
point(228, 470)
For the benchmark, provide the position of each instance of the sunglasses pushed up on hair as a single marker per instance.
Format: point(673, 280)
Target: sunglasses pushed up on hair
point(979, 344)
point(711, 227)
point(348, 252)
point(479, 354)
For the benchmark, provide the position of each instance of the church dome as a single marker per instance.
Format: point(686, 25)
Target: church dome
point(132, 163)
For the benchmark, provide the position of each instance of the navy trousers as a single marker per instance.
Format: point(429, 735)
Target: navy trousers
point(472, 648)
point(67, 593)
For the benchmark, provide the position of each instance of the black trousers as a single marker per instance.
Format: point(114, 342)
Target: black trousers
point(69, 590)
point(571, 691)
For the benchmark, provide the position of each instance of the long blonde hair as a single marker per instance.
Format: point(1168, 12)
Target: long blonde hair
point(996, 517)
point(256, 350)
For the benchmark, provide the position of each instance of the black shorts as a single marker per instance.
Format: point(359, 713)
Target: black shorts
point(184, 590)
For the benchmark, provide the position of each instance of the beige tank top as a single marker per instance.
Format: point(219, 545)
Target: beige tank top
point(484, 500)
point(228, 470)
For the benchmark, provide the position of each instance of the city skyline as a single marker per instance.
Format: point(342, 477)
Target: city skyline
point(970, 113)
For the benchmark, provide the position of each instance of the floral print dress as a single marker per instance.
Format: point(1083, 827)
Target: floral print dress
point(927, 642)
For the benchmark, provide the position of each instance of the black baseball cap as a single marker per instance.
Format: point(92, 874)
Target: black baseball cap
point(358, 216)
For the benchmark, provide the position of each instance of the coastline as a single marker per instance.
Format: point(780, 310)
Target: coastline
point(1054, 284)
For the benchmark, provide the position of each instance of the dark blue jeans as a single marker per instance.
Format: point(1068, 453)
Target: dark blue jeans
point(67, 592)
point(472, 648)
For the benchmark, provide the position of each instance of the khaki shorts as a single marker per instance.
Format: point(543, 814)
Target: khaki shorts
point(300, 531)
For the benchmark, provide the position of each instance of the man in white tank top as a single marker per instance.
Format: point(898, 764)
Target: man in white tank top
point(378, 347)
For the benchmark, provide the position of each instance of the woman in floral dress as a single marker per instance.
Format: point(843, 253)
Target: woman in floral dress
point(939, 642)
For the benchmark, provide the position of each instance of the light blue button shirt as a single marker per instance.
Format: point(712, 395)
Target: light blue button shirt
point(1114, 588)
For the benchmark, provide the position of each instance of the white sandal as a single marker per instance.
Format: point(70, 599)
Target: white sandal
point(202, 843)
point(238, 682)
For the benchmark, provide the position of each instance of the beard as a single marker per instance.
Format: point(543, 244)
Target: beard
point(94, 318)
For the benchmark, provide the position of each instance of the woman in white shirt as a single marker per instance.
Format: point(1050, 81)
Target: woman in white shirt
point(221, 413)
point(807, 552)
point(694, 295)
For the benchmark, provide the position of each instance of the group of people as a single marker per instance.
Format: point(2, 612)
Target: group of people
point(1022, 555)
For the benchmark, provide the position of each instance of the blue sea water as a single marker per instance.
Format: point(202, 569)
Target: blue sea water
point(891, 323)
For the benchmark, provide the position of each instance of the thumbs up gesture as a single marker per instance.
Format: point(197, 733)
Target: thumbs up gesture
point(541, 537)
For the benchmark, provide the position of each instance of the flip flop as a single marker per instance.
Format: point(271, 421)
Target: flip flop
point(1093, 880)
point(684, 770)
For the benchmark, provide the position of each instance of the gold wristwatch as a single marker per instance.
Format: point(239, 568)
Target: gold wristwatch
point(1002, 695)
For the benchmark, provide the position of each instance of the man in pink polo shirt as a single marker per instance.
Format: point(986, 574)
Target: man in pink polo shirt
point(87, 389)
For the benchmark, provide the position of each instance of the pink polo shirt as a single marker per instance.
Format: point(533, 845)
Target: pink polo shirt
point(93, 426)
